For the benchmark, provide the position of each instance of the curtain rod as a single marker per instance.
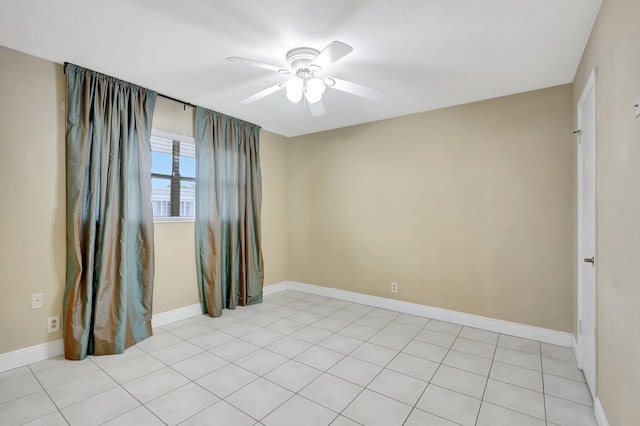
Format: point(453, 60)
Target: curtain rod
point(185, 104)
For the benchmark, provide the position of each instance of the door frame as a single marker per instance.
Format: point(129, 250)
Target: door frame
point(589, 86)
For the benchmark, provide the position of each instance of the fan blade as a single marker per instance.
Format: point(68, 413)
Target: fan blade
point(258, 64)
point(317, 108)
point(357, 89)
point(261, 94)
point(335, 51)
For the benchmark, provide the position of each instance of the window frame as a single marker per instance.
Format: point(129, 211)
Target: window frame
point(173, 178)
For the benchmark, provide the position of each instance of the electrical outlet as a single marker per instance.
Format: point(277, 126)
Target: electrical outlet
point(394, 287)
point(53, 324)
point(36, 301)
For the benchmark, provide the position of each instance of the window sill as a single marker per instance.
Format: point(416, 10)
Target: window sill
point(174, 220)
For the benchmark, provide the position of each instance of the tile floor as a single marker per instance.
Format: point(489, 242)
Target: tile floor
point(300, 359)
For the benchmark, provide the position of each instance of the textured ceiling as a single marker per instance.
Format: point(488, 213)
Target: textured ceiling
point(423, 54)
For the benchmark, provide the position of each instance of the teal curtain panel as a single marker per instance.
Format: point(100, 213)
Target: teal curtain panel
point(228, 207)
point(110, 260)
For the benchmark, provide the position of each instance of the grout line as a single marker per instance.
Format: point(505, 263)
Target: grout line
point(292, 359)
point(414, 338)
point(121, 385)
point(209, 406)
point(415, 406)
point(2, 384)
point(496, 345)
point(135, 408)
point(486, 383)
point(267, 372)
point(544, 397)
point(48, 396)
point(365, 387)
point(345, 355)
point(515, 411)
point(515, 385)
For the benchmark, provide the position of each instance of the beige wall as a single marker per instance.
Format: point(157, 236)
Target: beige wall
point(32, 213)
point(175, 284)
point(173, 117)
point(274, 165)
point(469, 208)
point(614, 51)
point(32, 216)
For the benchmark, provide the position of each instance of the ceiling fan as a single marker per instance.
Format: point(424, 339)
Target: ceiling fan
point(306, 66)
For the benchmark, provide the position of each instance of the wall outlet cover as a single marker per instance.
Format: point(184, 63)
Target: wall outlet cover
point(53, 324)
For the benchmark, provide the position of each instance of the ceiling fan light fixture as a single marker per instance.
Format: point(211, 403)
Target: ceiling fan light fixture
point(294, 89)
point(313, 90)
point(304, 64)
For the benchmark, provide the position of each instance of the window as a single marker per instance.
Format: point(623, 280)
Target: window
point(173, 176)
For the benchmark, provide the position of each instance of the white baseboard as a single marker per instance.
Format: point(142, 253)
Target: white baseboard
point(545, 335)
point(576, 351)
point(185, 312)
point(25, 356)
point(274, 288)
point(598, 411)
point(52, 349)
point(174, 315)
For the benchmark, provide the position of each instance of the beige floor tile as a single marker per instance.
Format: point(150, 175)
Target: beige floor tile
point(299, 411)
point(331, 391)
point(355, 370)
point(413, 366)
point(182, 403)
point(26, 409)
point(515, 398)
point(472, 363)
point(460, 381)
point(293, 375)
point(259, 398)
point(220, 414)
point(518, 376)
point(372, 409)
point(494, 415)
point(450, 405)
point(398, 386)
point(100, 408)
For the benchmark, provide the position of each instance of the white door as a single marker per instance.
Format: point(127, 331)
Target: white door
point(587, 232)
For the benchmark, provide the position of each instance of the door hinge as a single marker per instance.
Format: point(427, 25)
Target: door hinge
point(580, 327)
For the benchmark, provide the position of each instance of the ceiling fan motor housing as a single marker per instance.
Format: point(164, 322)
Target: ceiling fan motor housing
point(301, 57)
